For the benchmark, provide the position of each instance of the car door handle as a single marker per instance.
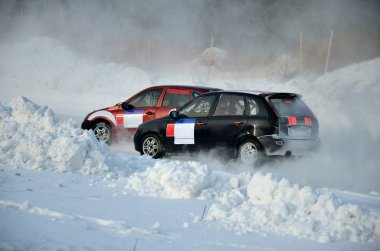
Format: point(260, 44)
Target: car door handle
point(200, 123)
point(237, 123)
point(150, 113)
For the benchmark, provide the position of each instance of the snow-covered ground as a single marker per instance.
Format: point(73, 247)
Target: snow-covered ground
point(60, 189)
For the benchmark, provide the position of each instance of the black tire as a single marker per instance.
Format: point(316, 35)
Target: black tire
point(250, 152)
point(151, 146)
point(103, 132)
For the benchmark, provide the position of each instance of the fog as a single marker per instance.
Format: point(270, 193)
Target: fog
point(78, 56)
point(157, 35)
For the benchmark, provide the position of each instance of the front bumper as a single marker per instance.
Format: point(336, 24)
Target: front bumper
point(136, 141)
point(288, 146)
point(86, 125)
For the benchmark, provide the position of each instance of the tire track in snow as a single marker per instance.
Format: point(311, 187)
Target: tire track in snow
point(119, 227)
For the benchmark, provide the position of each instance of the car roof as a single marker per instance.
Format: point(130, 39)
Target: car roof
point(188, 87)
point(260, 93)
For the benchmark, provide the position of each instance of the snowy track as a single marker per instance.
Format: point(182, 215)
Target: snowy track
point(52, 211)
point(55, 176)
point(62, 190)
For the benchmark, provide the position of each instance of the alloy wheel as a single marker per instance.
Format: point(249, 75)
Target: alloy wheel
point(150, 146)
point(248, 153)
point(102, 132)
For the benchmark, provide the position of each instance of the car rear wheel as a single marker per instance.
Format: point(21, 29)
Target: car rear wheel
point(250, 152)
point(152, 147)
point(103, 132)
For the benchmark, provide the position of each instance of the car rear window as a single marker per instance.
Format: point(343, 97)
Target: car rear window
point(292, 106)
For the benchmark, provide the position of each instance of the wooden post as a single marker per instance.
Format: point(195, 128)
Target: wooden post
point(204, 211)
point(300, 71)
point(210, 58)
point(328, 52)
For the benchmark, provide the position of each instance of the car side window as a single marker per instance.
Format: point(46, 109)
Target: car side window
point(253, 107)
point(146, 99)
point(174, 98)
point(200, 107)
point(230, 105)
point(196, 94)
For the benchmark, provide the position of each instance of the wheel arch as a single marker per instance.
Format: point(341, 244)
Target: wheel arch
point(100, 119)
point(105, 115)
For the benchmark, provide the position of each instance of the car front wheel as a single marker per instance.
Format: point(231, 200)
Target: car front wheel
point(103, 132)
point(250, 152)
point(152, 147)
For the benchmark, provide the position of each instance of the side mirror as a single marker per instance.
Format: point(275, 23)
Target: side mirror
point(173, 114)
point(127, 106)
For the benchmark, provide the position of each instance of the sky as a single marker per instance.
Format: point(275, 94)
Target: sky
point(171, 31)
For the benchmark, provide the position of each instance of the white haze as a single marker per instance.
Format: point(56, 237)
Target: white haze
point(157, 35)
point(77, 56)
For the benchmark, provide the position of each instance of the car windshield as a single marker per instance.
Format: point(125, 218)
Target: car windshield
point(293, 106)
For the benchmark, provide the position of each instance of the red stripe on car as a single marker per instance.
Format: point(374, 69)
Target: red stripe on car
point(119, 119)
point(177, 91)
point(170, 130)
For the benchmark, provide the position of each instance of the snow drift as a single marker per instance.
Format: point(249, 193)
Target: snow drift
point(274, 205)
point(32, 137)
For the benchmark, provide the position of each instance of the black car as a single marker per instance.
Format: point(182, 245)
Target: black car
point(243, 124)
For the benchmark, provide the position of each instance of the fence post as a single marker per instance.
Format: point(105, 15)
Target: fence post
point(300, 70)
point(328, 52)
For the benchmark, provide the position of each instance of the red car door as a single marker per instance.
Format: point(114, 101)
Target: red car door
point(139, 109)
point(173, 98)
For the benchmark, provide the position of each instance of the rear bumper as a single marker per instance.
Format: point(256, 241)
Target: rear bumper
point(288, 146)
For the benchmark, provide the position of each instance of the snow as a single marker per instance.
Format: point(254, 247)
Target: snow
point(274, 205)
point(172, 179)
point(32, 138)
point(62, 189)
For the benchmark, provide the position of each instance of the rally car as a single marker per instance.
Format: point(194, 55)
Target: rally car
point(245, 124)
point(154, 102)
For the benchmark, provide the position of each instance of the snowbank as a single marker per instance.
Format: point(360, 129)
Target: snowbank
point(172, 179)
point(272, 204)
point(31, 137)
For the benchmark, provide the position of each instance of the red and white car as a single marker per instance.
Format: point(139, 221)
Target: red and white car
point(151, 103)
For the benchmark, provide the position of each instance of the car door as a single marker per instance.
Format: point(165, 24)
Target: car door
point(173, 99)
point(228, 121)
point(188, 131)
point(139, 109)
